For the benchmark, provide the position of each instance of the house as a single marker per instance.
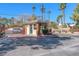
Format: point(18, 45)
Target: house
point(34, 27)
point(71, 25)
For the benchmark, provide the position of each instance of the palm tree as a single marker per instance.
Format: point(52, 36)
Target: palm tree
point(42, 11)
point(75, 15)
point(33, 9)
point(49, 12)
point(12, 20)
point(59, 19)
point(62, 8)
point(33, 12)
point(49, 22)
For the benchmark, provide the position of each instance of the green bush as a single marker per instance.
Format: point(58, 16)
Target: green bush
point(2, 34)
point(54, 25)
point(77, 25)
point(64, 26)
point(59, 31)
point(72, 30)
point(45, 31)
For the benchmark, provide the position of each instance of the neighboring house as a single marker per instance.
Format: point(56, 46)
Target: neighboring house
point(71, 25)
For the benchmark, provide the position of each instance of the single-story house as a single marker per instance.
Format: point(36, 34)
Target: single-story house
point(34, 27)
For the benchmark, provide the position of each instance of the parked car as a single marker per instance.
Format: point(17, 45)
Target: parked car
point(17, 30)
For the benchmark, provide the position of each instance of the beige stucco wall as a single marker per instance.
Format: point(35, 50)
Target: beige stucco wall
point(34, 31)
point(28, 31)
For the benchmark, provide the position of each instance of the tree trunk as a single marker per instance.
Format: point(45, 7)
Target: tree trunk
point(63, 12)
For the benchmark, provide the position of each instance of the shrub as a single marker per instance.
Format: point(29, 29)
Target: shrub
point(72, 30)
point(45, 31)
point(64, 26)
point(59, 31)
point(54, 25)
point(77, 25)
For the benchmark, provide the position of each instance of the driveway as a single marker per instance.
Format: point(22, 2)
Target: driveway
point(69, 48)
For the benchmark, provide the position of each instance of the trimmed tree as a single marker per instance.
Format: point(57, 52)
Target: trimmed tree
point(62, 8)
point(75, 16)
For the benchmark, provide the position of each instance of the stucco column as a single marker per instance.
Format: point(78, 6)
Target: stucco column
point(24, 29)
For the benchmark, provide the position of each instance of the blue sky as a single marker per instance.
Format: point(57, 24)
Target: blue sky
point(14, 9)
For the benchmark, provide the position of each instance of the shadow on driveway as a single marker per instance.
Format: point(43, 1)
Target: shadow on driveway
point(45, 42)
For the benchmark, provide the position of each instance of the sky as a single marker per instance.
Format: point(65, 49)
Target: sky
point(15, 9)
